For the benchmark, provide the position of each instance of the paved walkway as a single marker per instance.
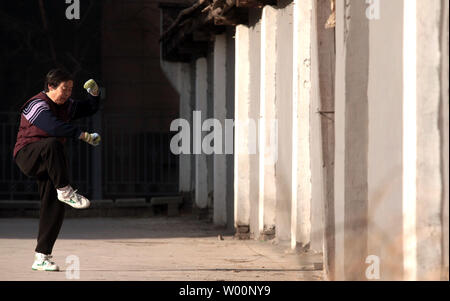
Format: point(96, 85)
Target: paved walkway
point(157, 248)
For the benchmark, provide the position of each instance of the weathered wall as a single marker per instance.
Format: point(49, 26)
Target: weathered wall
point(390, 130)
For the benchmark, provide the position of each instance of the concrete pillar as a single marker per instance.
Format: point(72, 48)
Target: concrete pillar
point(229, 131)
point(301, 158)
point(201, 106)
point(307, 154)
point(326, 64)
point(430, 165)
point(179, 75)
point(181, 79)
point(285, 109)
point(209, 134)
point(339, 168)
point(220, 112)
point(351, 121)
point(256, 223)
point(299, 164)
point(241, 130)
point(318, 180)
point(444, 131)
point(267, 130)
point(385, 130)
point(185, 162)
point(390, 164)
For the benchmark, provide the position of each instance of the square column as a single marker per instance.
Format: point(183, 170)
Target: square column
point(268, 126)
point(285, 115)
point(241, 131)
point(220, 112)
point(201, 106)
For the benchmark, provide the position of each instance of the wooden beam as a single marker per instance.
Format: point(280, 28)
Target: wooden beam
point(199, 23)
point(234, 17)
point(184, 14)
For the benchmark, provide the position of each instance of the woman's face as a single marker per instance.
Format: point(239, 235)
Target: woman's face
point(60, 94)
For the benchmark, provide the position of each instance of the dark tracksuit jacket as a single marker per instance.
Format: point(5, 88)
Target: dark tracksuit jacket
point(39, 153)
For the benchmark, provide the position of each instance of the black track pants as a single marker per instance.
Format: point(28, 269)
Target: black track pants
point(46, 161)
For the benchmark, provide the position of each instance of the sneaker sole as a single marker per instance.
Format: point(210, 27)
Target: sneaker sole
point(45, 270)
point(71, 205)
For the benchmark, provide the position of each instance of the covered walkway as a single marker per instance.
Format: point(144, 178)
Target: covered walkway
point(153, 249)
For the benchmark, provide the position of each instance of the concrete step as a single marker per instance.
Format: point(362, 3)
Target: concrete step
point(172, 202)
point(19, 204)
point(131, 202)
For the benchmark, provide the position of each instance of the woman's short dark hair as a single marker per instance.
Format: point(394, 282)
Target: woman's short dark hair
point(56, 76)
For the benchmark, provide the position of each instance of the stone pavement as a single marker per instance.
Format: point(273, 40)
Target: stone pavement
point(157, 248)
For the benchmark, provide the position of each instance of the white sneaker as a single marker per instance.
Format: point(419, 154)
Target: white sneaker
point(72, 198)
point(42, 262)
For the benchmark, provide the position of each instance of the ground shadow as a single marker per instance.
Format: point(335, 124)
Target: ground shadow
point(116, 228)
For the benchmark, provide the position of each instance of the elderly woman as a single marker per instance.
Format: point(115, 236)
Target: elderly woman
point(39, 152)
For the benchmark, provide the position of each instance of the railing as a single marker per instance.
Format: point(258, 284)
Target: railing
point(135, 162)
